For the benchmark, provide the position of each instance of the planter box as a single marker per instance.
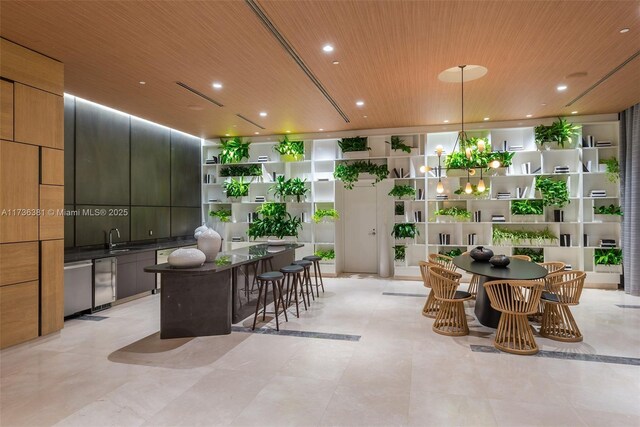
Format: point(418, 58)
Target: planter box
point(601, 268)
point(527, 218)
point(355, 155)
point(607, 218)
point(291, 157)
point(400, 263)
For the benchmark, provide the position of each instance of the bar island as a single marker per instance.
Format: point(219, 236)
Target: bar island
point(206, 300)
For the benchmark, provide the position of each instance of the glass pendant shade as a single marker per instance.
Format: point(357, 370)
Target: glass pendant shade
point(481, 186)
point(468, 188)
point(440, 188)
point(495, 164)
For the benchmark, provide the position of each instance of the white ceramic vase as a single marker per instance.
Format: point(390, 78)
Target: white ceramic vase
point(199, 230)
point(185, 258)
point(209, 242)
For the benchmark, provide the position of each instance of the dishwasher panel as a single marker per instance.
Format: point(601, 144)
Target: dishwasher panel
point(104, 281)
point(77, 287)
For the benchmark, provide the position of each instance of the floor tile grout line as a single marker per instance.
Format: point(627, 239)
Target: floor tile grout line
point(616, 360)
point(298, 334)
point(627, 306)
point(400, 294)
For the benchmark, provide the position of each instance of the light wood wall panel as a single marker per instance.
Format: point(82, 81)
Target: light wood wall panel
point(19, 166)
point(24, 65)
point(38, 117)
point(18, 313)
point(51, 205)
point(18, 263)
point(52, 286)
point(52, 166)
point(6, 110)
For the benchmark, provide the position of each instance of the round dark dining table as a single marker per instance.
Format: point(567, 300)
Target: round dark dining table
point(516, 270)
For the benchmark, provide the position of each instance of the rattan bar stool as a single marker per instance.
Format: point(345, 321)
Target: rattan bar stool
point(565, 288)
point(443, 261)
point(306, 277)
point(432, 305)
point(451, 319)
point(293, 280)
point(273, 279)
point(515, 299)
point(315, 259)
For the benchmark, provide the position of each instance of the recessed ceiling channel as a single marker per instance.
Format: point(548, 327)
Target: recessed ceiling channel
point(200, 94)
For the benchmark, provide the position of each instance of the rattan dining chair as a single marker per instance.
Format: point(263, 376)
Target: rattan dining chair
point(443, 261)
point(552, 267)
point(522, 257)
point(515, 299)
point(451, 319)
point(473, 282)
point(432, 305)
point(564, 290)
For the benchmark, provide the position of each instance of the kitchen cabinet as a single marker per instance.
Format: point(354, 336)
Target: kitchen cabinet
point(92, 226)
point(145, 281)
point(69, 149)
point(151, 157)
point(185, 170)
point(126, 276)
point(150, 223)
point(184, 221)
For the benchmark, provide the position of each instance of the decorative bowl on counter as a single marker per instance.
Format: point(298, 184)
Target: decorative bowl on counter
point(186, 258)
point(500, 261)
point(481, 254)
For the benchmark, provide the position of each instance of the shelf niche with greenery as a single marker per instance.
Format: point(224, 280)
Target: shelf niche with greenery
point(290, 151)
point(554, 191)
point(397, 145)
point(610, 213)
point(349, 172)
point(354, 147)
point(503, 236)
point(240, 170)
point(536, 254)
point(274, 221)
point(527, 210)
point(325, 215)
point(557, 135)
point(296, 188)
point(233, 150)
point(327, 256)
point(405, 231)
point(452, 252)
point(452, 214)
point(236, 189)
point(223, 215)
point(403, 191)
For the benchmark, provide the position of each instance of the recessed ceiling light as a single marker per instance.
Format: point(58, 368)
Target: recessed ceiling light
point(446, 121)
point(226, 134)
point(195, 107)
point(217, 85)
point(485, 119)
point(142, 83)
point(359, 103)
point(320, 129)
point(327, 48)
point(364, 117)
point(335, 62)
point(257, 133)
point(560, 88)
point(288, 131)
point(263, 114)
point(544, 104)
point(624, 30)
point(528, 115)
point(574, 112)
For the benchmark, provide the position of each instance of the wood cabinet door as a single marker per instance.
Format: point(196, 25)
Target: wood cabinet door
point(52, 286)
point(38, 117)
point(18, 313)
point(6, 110)
point(51, 217)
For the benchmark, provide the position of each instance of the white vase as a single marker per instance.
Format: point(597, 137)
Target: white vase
point(199, 230)
point(185, 258)
point(209, 242)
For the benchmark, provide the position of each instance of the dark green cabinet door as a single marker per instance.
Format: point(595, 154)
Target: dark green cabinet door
point(102, 156)
point(185, 170)
point(149, 223)
point(145, 281)
point(94, 222)
point(150, 164)
point(184, 221)
point(126, 285)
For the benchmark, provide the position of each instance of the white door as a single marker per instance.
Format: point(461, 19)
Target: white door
point(360, 239)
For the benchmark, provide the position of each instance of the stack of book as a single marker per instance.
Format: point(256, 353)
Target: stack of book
point(516, 148)
point(252, 216)
point(526, 168)
point(442, 197)
point(588, 141)
point(565, 240)
point(420, 194)
point(561, 169)
point(585, 240)
point(471, 239)
point(237, 239)
point(212, 161)
point(213, 200)
point(401, 173)
point(503, 195)
point(598, 193)
point(445, 238)
point(417, 216)
point(497, 218)
point(521, 193)
point(568, 267)
point(558, 215)
point(477, 216)
point(603, 144)
point(608, 243)
point(263, 159)
point(209, 178)
point(260, 199)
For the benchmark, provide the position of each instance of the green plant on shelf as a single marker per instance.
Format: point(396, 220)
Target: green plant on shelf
point(554, 191)
point(320, 214)
point(401, 191)
point(290, 150)
point(405, 231)
point(399, 252)
point(272, 209)
point(607, 210)
point(349, 173)
point(224, 215)
point(398, 208)
point(452, 253)
point(398, 144)
point(289, 187)
point(560, 131)
point(527, 207)
point(505, 158)
point(326, 254)
point(236, 188)
point(474, 191)
point(516, 237)
point(239, 170)
point(612, 169)
point(459, 214)
point(233, 150)
point(609, 256)
point(477, 159)
point(356, 143)
point(536, 254)
point(275, 221)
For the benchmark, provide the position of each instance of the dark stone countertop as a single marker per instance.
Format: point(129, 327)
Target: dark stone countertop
point(83, 254)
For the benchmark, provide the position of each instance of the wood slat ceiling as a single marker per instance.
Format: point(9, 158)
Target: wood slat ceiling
point(390, 54)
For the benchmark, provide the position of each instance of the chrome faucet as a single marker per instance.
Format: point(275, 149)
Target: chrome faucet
point(111, 245)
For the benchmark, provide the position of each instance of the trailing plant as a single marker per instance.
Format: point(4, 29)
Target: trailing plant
point(609, 256)
point(295, 149)
point(536, 254)
point(554, 192)
point(237, 170)
point(515, 237)
point(401, 191)
point(328, 254)
point(398, 209)
point(478, 159)
point(348, 173)
point(275, 221)
point(474, 192)
point(560, 131)
point(223, 215)
point(236, 188)
point(458, 213)
point(607, 210)
point(325, 213)
point(527, 207)
point(405, 231)
point(399, 252)
point(452, 253)
point(233, 150)
point(356, 143)
point(398, 144)
point(613, 169)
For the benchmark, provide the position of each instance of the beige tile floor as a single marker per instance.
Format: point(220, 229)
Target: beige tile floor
point(117, 372)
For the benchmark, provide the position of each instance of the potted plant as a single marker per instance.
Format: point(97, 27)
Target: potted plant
point(405, 231)
point(536, 254)
point(223, 215)
point(611, 213)
point(608, 260)
point(327, 256)
point(554, 191)
point(399, 254)
point(274, 221)
point(397, 144)
point(354, 148)
point(559, 132)
point(324, 215)
point(298, 188)
point(527, 210)
point(452, 214)
point(290, 151)
point(233, 150)
point(612, 168)
point(400, 191)
point(349, 173)
point(511, 237)
point(236, 189)
point(241, 170)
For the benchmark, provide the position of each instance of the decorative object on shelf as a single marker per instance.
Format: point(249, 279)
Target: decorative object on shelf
point(560, 132)
point(405, 231)
point(290, 151)
point(186, 258)
point(612, 168)
point(239, 170)
point(354, 144)
point(236, 188)
point(329, 254)
point(609, 256)
point(516, 237)
point(325, 214)
point(527, 207)
point(607, 210)
point(536, 254)
point(349, 173)
point(558, 215)
point(398, 144)
point(199, 230)
point(233, 150)
point(554, 191)
point(399, 252)
point(224, 215)
point(401, 191)
point(274, 221)
point(481, 254)
point(452, 253)
point(500, 261)
point(458, 214)
point(209, 242)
